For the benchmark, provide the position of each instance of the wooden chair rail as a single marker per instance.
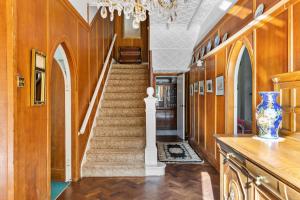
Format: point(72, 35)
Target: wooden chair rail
point(95, 94)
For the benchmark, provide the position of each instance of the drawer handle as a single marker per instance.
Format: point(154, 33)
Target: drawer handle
point(227, 157)
point(259, 180)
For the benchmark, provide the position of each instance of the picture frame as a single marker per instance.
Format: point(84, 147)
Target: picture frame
point(220, 91)
point(209, 86)
point(201, 87)
point(217, 40)
point(38, 77)
point(209, 46)
point(196, 87)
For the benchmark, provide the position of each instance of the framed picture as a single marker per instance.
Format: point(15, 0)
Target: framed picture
point(209, 86)
point(196, 87)
point(191, 90)
point(38, 77)
point(220, 86)
point(201, 87)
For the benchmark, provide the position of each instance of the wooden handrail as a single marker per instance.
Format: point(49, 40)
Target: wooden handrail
point(92, 103)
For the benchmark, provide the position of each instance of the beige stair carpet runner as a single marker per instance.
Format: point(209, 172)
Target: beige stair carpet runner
point(118, 142)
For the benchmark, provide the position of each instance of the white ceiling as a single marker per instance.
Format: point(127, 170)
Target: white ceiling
point(172, 46)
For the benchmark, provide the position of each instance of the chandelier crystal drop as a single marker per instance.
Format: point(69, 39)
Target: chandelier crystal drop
point(137, 9)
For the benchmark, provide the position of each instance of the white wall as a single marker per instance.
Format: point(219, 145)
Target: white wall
point(81, 7)
point(172, 48)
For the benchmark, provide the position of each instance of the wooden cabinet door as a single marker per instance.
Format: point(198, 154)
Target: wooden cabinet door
point(262, 193)
point(234, 183)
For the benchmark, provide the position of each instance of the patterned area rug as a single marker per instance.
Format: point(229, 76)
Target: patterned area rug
point(177, 152)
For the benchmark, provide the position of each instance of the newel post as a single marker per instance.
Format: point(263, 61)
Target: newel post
point(152, 166)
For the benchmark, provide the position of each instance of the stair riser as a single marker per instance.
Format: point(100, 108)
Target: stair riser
point(125, 89)
point(122, 66)
point(129, 71)
point(128, 83)
point(109, 112)
point(123, 104)
point(123, 122)
point(104, 172)
point(124, 96)
point(113, 144)
point(94, 156)
point(129, 77)
point(99, 131)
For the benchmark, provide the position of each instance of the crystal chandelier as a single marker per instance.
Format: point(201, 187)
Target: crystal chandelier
point(137, 9)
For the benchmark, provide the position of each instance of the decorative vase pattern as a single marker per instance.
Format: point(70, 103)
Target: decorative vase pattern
point(268, 115)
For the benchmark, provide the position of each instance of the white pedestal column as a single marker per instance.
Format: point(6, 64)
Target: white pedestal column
point(152, 166)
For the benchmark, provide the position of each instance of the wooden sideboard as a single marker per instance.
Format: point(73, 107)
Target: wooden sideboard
point(254, 169)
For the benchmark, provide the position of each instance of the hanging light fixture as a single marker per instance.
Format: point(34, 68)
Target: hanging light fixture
point(137, 9)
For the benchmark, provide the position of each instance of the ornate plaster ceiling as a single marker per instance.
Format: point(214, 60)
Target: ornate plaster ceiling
point(172, 45)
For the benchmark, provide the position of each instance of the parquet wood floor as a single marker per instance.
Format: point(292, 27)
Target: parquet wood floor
point(182, 182)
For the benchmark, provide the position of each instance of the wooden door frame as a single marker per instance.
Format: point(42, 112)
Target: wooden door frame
point(229, 84)
point(74, 107)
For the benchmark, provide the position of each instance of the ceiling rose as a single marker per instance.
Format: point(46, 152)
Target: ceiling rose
point(137, 9)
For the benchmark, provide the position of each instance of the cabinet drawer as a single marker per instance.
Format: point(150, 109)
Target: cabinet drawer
point(262, 177)
point(288, 192)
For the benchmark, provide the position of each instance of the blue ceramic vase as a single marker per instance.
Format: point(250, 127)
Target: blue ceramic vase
point(268, 115)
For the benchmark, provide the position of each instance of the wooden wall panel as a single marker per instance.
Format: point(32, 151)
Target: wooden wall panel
point(44, 25)
point(296, 20)
point(30, 144)
point(3, 105)
point(202, 112)
point(197, 105)
point(84, 92)
point(272, 51)
point(238, 16)
point(143, 42)
point(57, 124)
point(221, 62)
point(210, 108)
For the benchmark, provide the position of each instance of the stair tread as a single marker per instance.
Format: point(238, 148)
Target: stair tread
point(119, 151)
point(114, 164)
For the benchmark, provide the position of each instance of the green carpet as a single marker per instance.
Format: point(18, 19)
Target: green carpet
point(57, 188)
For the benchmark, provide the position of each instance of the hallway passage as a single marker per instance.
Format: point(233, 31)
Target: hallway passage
point(182, 182)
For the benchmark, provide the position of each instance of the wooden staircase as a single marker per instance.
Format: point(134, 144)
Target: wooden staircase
point(117, 145)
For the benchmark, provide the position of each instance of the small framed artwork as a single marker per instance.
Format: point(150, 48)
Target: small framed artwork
point(196, 87)
point(38, 78)
point(209, 86)
point(201, 87)
point(220, 86)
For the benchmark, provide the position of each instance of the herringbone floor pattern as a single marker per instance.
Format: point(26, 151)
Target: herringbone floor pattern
point(182, 182)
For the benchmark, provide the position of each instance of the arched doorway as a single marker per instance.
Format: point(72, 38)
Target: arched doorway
point(243, 93)
point(241, 55)
point(61, 117)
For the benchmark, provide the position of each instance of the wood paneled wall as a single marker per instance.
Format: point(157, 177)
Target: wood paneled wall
point(273, 47)
point(142, 43)
point(44, 25)
point(5, 131)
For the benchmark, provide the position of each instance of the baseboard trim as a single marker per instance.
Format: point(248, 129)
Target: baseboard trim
point(155, 170)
